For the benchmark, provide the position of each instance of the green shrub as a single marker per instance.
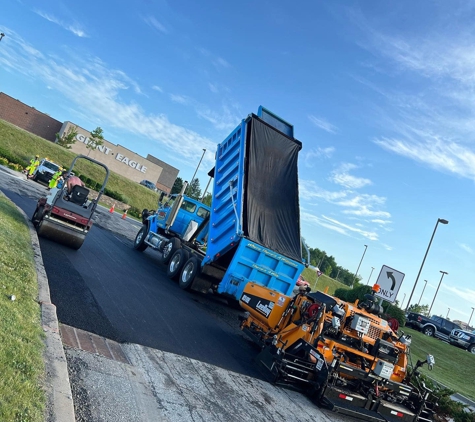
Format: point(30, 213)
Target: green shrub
point(16, 167)
point(3, 161)
point(135, 212)
point(13, 158)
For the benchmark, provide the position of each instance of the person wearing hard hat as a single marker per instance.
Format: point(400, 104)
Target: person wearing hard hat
point(54, 180)
point(32, 166)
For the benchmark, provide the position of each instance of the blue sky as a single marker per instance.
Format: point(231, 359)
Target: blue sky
point(380, 95)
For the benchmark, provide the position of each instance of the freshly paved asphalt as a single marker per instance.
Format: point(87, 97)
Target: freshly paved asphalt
point(110, 289)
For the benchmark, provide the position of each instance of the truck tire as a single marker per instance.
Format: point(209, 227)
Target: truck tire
point(428, 331)
point(169, 248)
point(189, 272)
point(471, 348)
point(139, 242)
point(176, 263)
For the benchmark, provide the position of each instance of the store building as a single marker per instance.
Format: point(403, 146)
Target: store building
point(118, 158)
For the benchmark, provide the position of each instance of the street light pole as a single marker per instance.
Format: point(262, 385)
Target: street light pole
point(422, 292)
point(196, 171)
point(370, 274)
point(403, 299)
point(470, 316)
point(437, 291)
point(447, 316)
point(356, 274)
point(1, 36)
point(439, 220)
point(321, 262)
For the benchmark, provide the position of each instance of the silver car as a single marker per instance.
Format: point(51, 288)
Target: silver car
point(464, 339)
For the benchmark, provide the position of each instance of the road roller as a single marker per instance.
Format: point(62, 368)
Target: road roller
point(65, 214)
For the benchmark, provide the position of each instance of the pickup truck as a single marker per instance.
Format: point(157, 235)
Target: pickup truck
point(436, 326)
point(413, 320)
point(464, 339)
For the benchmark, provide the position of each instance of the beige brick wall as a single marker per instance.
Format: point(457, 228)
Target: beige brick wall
point(117, 158)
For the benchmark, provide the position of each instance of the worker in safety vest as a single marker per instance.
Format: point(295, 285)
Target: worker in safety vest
point(34, 163)
point(54, 180)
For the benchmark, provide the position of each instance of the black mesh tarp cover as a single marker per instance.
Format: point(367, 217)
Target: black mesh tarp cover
point(271, 202)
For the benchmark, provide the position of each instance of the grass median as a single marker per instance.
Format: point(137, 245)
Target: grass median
point(21, 338)
point(453, 366)
point(24, 145)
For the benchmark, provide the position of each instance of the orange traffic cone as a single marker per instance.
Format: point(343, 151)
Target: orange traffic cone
point(112, 208)
point(124, 215)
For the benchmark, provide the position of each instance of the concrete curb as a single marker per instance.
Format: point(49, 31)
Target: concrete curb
point(59, 401)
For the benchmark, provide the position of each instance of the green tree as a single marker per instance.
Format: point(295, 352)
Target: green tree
point(177, 186)
point(207, 199)
point(194, 190)
point(419, 309)
point(95, 140)
point(68, 138)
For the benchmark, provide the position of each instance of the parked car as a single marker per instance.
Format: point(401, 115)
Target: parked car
point(436, 326)
point(464, 339)
point(44, 172)
point(148, 184)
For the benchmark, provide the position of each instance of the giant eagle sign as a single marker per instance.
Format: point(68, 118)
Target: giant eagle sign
point(119, 157)
point(389, 282)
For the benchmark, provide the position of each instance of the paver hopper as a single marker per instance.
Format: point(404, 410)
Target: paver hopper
point(65, 215)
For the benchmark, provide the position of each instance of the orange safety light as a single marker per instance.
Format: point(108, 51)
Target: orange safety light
point(376, 288)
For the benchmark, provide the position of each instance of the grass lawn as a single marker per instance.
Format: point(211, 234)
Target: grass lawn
point(322, 282)
point(25, 145)
point(453, 368)
point(21, 345)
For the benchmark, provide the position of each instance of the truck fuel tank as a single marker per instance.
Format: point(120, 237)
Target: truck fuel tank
point(264, 304)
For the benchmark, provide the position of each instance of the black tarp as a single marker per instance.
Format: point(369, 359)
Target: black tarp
point(271, 204)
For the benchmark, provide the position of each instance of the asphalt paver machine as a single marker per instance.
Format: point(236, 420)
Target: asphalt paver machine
point(65, 215)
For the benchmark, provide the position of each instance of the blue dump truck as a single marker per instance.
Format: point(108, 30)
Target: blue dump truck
point(251, 232)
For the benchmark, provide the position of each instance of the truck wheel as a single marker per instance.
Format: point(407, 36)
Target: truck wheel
point(139, 242)
point(429, 331)
point(188, 273)
point(38, 215)
point(176, 263)
point(169, 249)
point(471, 348)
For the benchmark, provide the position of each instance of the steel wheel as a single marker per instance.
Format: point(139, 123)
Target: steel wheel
point(169, 248)
point(189, 273)
point(429, 331)
point(471, 349)
point(176, 263)
point(139, 242)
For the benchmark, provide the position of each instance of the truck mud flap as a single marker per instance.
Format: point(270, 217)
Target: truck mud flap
point(358, 406)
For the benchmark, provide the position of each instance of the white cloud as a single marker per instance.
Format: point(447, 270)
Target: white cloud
point(154, 23)
point(157, 88)
point(75, 28)
point(430, 116)
point(466, 248)
point(180, 99)
point(213, 88)
point(337, 226)
point(322, 124)
point(341, 176)
point(100, 98)
point(217, 61)
point(311, 156)
point(446, 156)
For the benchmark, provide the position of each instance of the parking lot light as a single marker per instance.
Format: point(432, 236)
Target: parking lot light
point(439, 220)
point(470, 317)
point(437, 291)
